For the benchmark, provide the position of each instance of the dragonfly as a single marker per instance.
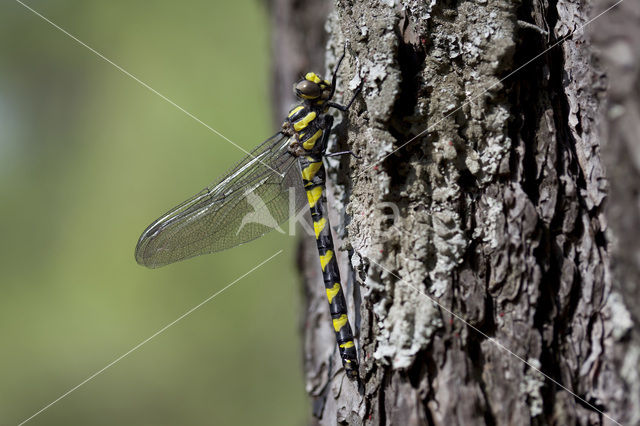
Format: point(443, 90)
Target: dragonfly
point(257, 195)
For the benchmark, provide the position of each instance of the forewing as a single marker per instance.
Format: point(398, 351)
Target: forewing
point(249, 201)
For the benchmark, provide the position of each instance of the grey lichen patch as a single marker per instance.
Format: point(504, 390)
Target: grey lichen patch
point(416, 20)
point(531, 386)
point(404, 331)
point(491, 230)
point(450, 244)
point(388, 3)
point(381, 80)
point(619, 316)
point(494, 149)
point(420, 12)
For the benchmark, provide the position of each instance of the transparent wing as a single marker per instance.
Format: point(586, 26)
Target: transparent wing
point(254, 197)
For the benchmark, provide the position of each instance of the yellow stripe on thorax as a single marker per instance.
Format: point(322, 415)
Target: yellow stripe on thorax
point(304, 122)
point(348, 344)
point(313, 195)
point(311, 76)
point(318, 227)
point(331, 292)
point(310, 171)
point(309, 143)
point(338, 323)
point(296, 109)
point(325, 259)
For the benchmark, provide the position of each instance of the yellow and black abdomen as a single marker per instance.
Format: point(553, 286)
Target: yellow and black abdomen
point(310, 126)
point(313, 175)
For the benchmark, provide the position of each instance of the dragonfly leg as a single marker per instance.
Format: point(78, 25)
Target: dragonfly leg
point(335, 72)
point(325, 138)
point(345, 108)
point(326, 131)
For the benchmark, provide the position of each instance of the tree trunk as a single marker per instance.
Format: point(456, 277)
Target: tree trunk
point(476, 248)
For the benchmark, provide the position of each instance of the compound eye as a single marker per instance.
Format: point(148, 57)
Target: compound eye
point(308, 89)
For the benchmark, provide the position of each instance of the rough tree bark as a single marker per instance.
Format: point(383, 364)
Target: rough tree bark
point(501, 210)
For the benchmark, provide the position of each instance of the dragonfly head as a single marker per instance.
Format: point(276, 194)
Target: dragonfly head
point(312, 87)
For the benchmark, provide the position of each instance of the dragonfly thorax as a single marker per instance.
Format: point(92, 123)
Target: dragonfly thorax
point(305, 125)
point(306, 122)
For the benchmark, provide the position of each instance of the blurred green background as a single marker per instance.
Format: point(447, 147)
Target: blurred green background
point(88, 158)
